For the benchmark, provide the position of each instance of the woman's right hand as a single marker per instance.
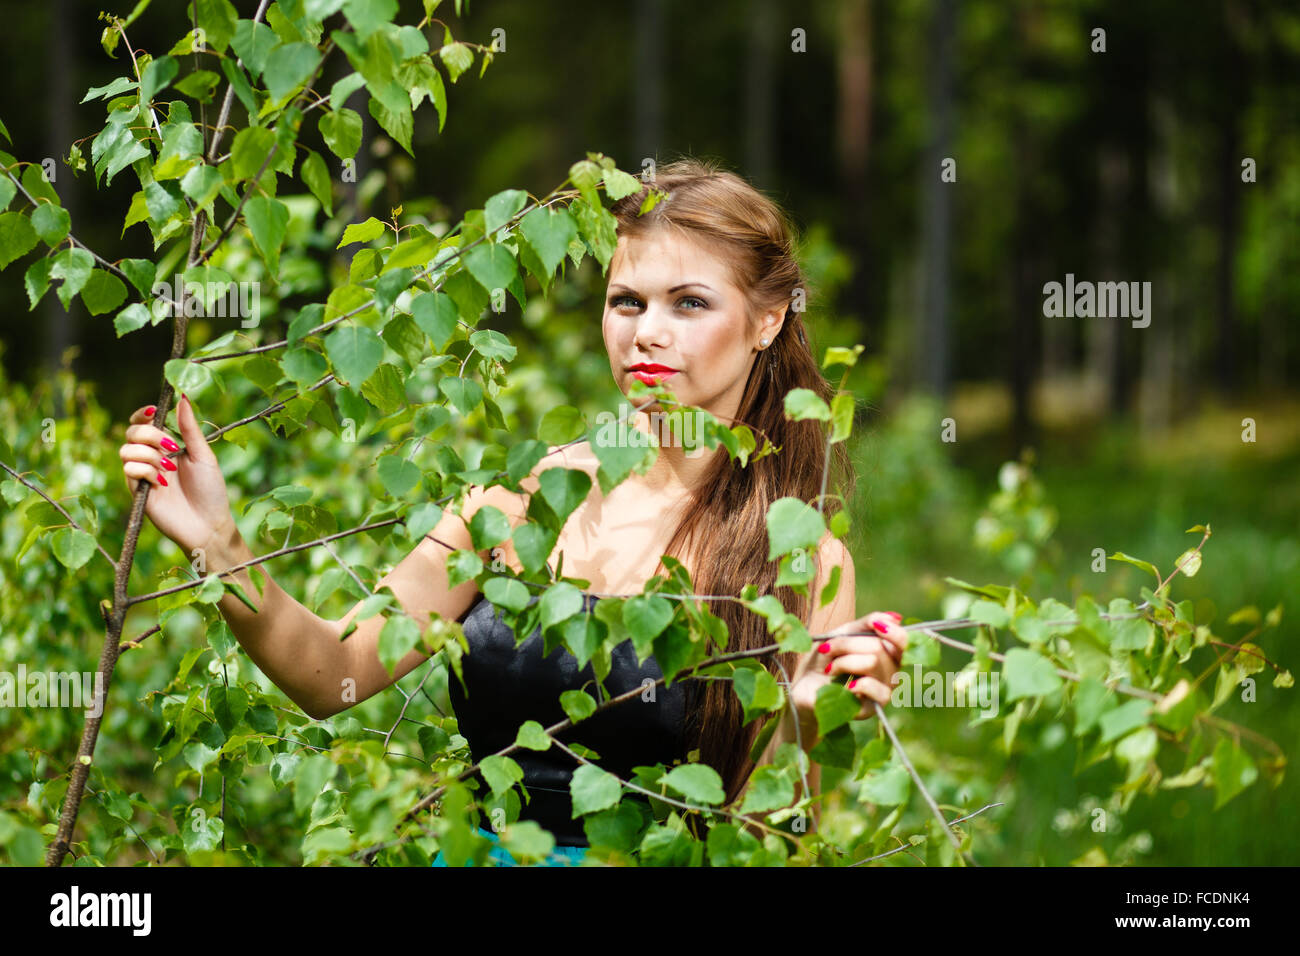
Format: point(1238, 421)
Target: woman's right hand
point(188, 502)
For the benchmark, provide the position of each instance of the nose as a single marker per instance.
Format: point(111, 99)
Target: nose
point(653, 328)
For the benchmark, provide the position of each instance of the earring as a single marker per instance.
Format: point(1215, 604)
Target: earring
point(763, 342)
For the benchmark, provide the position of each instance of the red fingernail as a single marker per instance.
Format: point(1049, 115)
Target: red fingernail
point(852, 682)
point(169, 464)
point(828, 667)
point(150, 410)
point(161, 479)
point(170, 445)
point(879, 627)
point(898, 618)
point(825, 648)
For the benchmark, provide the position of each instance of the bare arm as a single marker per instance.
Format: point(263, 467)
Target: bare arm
point(300, 651)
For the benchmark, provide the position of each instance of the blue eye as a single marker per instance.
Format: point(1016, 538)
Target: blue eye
point(616, 300)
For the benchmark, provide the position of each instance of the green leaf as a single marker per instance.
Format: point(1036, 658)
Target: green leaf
point(317, 178)
point(500, 773)
point(842, 356)
point(488, 528)
point(341, 130)
point(249, 150)
point(465, 394)
point(435, 313)
point(578, 705)
point(491, 265)
point(397, 474)
point(533, 736)
point(156, 77)
point(217, 18)
point(287, 67)
point(986, 612)
point(509, 593)
point(103, 292)
point(140, 272)
point(791, 524)
point(267, 220)
point(803, 403)
point(463, 566)
point(758, 691)
point(549, 232)
point(561, 425)
point(458, 58)
point(367, 16)
point(843, 407)
point(1029, 674)
point(17, 237)
point(36, 280)
point(1189, 562)
point(366, 231)
point(1136, 562)
point(399, 636)
point(355, 352)
point(769, 789)
point(72, 546)
point(133, 317)
point(834, 706)
point(533, 544)
point(202, 184)
point(696, 782)
point(229, 705)
point(593, 789)
point(119, 85)
point(501, 208)
point(73, 266)
point(1118, 721)
point(188, 377)
point(559, 603)
point(1234, 771)
point(564, 489)
point(645, 616)
point(51, 222)
point(889, 786)
point(492, 344)
point(199, 85)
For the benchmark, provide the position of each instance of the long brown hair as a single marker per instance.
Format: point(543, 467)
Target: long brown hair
point(724, 525)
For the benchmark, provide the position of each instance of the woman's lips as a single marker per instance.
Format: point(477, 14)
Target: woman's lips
point(652, 374)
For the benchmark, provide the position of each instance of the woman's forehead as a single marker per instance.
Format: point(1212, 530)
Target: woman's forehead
point(662, 259)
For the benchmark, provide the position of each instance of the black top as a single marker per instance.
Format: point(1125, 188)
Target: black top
point(508, 686)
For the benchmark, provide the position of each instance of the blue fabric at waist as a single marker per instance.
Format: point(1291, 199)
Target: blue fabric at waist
point(498, 856)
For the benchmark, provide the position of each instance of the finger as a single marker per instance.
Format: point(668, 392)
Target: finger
point(143, 414)
point(196, 444)
point(887, 624)
point(869, 689)
point(837, 646)
point(878, 665)
point(135, 470)
point(135, 451)
point(153, 436)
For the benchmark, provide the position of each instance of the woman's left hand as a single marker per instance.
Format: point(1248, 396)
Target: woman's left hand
point(872, 660)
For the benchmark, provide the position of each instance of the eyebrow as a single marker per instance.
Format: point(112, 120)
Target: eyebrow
point(617, 286)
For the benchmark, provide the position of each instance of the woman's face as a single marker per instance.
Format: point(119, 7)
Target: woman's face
point(673, 317)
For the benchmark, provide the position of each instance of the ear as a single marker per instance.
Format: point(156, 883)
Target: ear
point(769, 325)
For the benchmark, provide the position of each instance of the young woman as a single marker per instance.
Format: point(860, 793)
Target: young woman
point(701, 299)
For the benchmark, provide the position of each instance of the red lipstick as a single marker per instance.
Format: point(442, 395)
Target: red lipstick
point(651, 373)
